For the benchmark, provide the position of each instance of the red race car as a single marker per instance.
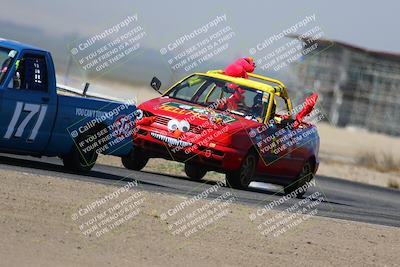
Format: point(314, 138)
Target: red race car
point(240, 127)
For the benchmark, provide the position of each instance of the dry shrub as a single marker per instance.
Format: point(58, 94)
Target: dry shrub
point(383, 162)
point(393, 184)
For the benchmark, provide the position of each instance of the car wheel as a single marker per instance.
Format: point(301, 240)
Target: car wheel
point(305, 176)
point(79, 161)
point(135, 161)
point(194, 172)
point(241, 179)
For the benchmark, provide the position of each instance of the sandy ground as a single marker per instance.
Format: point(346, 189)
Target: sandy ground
point(349, 142)
point(37, 230)
point(340, 148)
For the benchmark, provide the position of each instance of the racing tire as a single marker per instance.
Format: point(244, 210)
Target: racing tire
point(241, 178)
point(305, 176)
point(135, 161)
point(78, 161)
point(194, 172)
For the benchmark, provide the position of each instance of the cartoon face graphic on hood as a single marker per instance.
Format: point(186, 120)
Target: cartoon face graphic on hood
point(177, 130)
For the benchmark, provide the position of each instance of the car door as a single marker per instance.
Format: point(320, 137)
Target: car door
point(292, 160)
point(28, 104)
point(280, 151)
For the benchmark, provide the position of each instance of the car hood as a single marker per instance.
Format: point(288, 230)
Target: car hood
point(195, 114)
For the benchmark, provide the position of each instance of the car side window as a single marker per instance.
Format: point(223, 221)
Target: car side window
point(31, 74)
point(281, 106)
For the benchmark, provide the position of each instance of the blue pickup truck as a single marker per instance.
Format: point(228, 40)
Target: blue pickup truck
point(38, 119)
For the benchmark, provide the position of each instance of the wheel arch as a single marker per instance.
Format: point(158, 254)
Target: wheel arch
point(94, 129)
point(313, 161)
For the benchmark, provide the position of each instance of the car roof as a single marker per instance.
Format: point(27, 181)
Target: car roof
point(10, 44)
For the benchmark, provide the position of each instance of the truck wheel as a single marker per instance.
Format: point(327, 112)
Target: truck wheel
point(78, 161)
point(242, 178)
point(305, 176)
point(135, 161)
point(194, 172)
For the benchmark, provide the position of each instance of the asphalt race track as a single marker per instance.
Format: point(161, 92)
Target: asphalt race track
point(343, 199)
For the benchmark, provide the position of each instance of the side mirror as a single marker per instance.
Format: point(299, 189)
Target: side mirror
point(156, 84)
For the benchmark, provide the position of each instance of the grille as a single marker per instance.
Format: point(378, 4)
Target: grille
point(162, 120)
point(196, 129)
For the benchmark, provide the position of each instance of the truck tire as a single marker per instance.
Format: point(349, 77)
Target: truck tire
point(194, 172)
point(305, 176)
point(241, 179)
point(135, 161)
point(78, 161)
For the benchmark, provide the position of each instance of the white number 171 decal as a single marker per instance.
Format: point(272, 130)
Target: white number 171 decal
point(33, 109)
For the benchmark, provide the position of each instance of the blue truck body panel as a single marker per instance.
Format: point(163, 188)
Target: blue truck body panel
point(44, 123)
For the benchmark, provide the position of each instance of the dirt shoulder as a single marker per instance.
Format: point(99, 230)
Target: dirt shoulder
point(37, 229)
point(341, 150)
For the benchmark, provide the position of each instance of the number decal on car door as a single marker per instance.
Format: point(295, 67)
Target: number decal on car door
point(33, 109)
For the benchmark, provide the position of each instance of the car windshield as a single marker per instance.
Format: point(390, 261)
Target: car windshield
point(222, 95)
point(6, 60)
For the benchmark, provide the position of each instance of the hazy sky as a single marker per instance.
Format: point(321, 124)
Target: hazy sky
point(370, 25)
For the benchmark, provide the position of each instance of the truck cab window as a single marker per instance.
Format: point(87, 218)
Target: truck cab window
point(32, 74)
point(6, 60)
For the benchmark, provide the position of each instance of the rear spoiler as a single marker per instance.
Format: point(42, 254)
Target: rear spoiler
point(84, 93)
